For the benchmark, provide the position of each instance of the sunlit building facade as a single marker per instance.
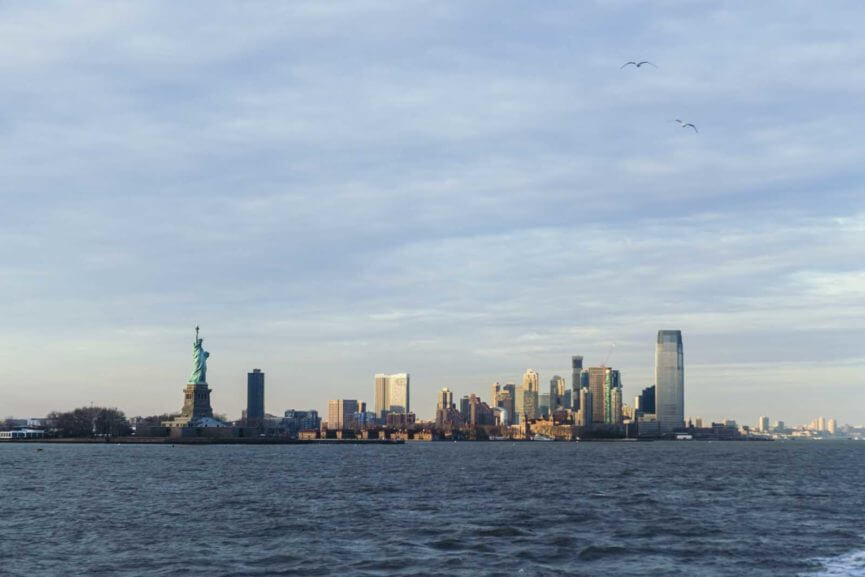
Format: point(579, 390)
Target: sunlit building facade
point(669, 381)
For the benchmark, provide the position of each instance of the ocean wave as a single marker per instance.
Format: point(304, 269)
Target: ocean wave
point(847, 565)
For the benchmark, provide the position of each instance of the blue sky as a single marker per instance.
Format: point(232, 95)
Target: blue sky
point(460, 190)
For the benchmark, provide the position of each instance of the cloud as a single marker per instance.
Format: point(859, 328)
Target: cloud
point(459, 191)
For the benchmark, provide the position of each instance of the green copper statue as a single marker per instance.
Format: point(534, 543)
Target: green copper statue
point(199, 362)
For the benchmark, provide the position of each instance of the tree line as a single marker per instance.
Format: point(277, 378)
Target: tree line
point(90, 421)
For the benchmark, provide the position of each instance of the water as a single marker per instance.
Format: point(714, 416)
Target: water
point(524, 509)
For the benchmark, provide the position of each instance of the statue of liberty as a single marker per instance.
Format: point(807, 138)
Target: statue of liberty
point(199, 362)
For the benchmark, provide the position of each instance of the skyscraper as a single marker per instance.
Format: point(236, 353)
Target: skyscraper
point(763, 424)
point(647, 401)
point(527, 395)
point(531, 380)
point(585, 413)
point(669, 381)
point(445, 399)
point(505, 398)
point(597, 377)
point(557, 393)
point(381, 402)
point(392, 394)
point(576, 369)
point(340, 414)
point(612, 397)
point(255, 398)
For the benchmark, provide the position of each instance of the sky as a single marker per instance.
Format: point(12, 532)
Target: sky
point(458, 190)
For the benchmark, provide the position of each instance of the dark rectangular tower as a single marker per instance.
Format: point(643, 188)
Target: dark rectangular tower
point(255, 398)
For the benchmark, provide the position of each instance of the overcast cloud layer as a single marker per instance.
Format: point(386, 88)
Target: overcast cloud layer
point(460, 190)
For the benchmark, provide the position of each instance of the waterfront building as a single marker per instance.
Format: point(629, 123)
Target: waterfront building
point(763, 425)
point(669, 381)
point(698, 422)
point(340, 414)
point(831, 426)
point(584, 415)
point(778, 426)
point(392, 393)
point(295, 421)
point(364, 419)
point(255, 398)
point(400, 420)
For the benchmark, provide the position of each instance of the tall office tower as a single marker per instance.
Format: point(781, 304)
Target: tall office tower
point(445, 399)
point(519, 404)
point(831, 426)
point(531, 380)
point(529, 405)
point(381, 401)
point(255, 398)
point(399, 393)
point(529, 396)
point(585, 414)
point(618, 415)
point(584, 383)
point(669, 381)
point(392, 394)
point(597, 377)
point(576, 369)
point(464, 408)
point(341, 414)
point(544, 405)
point(612, 391)
point(558, 392)
point(821, 424)
point(778, 426)
point(763, 424)
point(495, 389)
point(503, 398)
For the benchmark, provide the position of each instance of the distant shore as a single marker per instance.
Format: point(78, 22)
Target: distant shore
point(277, 441)
point(200, 441)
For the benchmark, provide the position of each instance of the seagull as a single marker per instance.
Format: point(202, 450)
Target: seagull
point(637, 64)
point(687, 125)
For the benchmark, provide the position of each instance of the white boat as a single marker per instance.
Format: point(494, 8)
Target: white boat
point(540, 437)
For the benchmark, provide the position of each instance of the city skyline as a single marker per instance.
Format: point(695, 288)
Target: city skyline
point(596, 381)
point(459, 190)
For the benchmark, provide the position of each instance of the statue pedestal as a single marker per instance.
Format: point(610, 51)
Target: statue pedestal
point(196, 401)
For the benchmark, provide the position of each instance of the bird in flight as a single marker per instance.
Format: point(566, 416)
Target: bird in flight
point(637, 64)
point(687, 125)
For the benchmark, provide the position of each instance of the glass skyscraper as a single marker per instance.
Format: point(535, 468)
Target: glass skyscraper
point(669, 381)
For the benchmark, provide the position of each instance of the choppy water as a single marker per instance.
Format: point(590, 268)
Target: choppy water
point(434, 509)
